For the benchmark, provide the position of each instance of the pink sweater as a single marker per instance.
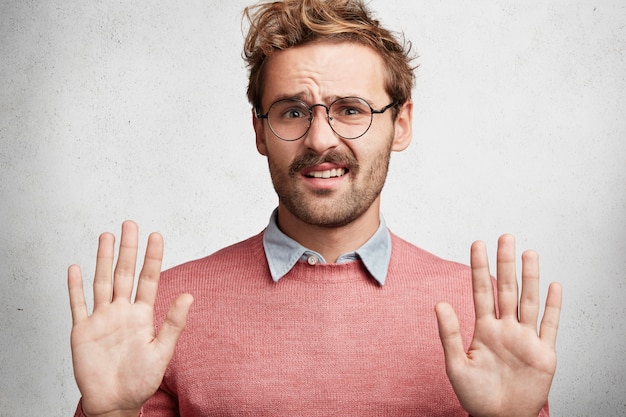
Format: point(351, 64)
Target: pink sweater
point(326, 340)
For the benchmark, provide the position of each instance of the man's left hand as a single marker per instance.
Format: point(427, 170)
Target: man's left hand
point(508, 368)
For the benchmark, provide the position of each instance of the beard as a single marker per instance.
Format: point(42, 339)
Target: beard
point(331, 208)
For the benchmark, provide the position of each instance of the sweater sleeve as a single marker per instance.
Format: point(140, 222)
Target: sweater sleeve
point(161, 404)
point(79, 410)
point(545, 411)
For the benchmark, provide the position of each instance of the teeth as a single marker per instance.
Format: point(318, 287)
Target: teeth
point(329, 173)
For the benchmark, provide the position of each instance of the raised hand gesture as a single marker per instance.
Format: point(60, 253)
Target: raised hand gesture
point(509, 367)
point(118, 359)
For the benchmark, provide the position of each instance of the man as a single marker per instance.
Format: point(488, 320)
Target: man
point(325, 312)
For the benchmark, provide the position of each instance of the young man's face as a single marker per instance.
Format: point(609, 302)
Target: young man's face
point(322, 179)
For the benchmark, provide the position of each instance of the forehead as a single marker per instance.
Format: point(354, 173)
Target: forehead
point(323, 71)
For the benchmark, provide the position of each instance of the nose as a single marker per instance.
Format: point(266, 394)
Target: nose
point(320, 136)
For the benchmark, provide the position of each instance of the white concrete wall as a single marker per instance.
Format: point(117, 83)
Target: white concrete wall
point(112, 110)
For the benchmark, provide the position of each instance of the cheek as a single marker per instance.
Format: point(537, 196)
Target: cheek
point(279, 157)
point(368, 149)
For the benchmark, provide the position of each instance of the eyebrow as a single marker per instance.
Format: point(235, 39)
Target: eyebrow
point(302, 96)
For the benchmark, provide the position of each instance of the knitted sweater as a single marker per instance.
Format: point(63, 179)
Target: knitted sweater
point(326, 340)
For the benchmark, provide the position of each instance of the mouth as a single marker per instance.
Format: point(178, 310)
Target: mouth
point(328, 167)
point(327, 173)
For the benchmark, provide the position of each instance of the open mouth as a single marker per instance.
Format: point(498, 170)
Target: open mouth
point(328, 173)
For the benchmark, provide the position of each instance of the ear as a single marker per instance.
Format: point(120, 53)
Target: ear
point(259, 131)
point(403, 132)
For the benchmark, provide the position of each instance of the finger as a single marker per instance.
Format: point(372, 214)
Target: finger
point(450, 335)
point(482, 286)
point(529, 300)
point(550, 321)
point(151, 270)
point(78, 306)
point(506, 278)
point(126, 261)
point(175, 322)
point(102, 287)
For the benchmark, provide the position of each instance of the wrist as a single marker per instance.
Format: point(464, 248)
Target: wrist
point(121, 413)
point(116, 413)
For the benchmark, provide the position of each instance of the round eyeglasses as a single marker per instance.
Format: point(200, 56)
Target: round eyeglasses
point(349, 117)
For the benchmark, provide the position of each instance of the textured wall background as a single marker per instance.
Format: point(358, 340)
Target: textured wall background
point(115, 110)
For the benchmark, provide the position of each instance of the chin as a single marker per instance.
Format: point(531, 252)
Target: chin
point(329, 217)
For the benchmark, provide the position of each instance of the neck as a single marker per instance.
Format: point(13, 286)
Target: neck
point(331, 242)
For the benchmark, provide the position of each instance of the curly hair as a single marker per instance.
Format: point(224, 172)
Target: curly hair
point(279, 25)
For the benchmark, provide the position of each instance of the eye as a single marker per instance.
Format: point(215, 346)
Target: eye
point(349, 108)
point(289, 110)
point(348, 111)
point(293, 113)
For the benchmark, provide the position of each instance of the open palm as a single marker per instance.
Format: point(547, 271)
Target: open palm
point(508, 368)
point(119, 361)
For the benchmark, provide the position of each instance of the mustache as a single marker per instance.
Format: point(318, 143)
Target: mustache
point(307, 160)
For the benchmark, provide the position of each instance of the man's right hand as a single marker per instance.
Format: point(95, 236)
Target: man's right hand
point(119, 361)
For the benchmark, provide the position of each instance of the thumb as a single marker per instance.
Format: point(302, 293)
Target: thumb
point(450, 335)
point(175, 322)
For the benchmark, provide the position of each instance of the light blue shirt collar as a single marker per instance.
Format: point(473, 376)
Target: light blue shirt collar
point(283, 252)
